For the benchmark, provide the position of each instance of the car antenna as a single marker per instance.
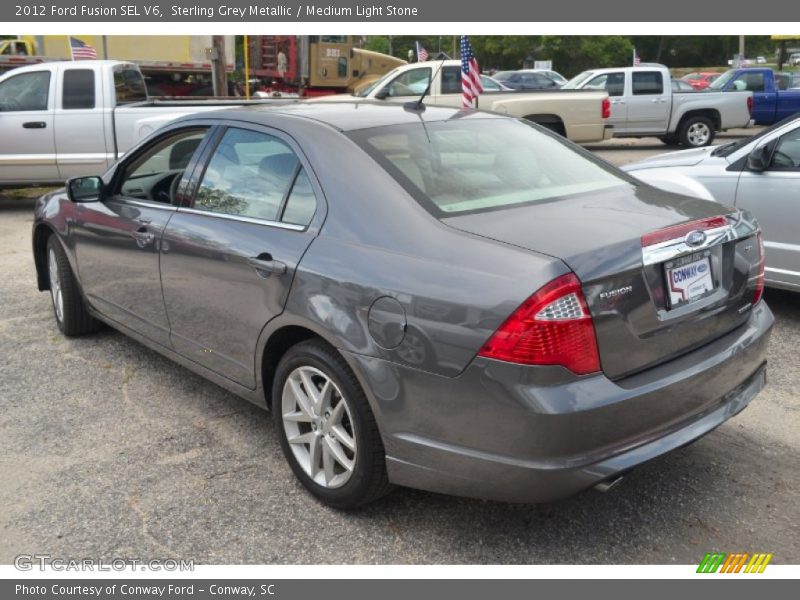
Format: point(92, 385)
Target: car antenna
point(417, 105)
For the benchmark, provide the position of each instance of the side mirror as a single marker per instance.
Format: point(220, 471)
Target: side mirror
point(382, 93)
point(85, 189)
point(758, 159)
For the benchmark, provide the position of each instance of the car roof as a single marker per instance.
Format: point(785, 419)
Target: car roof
point(344, 115)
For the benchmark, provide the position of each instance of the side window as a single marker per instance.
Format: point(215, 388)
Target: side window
point(751, 82)
point(28, 91)
point(249, 175)
point(341, 67)
point(410, 83)
point(149, 175)
point(647, 83)
point(787, 153)
point(78, 89)
point(613, 83)
point(451, 80)
point(129, 86)
point(301, 204)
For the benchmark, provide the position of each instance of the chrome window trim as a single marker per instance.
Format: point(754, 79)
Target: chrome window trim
point(240, 218)
point(738, 227)
point(143, 203)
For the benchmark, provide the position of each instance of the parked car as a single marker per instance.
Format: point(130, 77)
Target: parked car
point(76, 118)
point(700, 81)
point(526, 80)
point(289, 259)
point(760, 174)
point(681, 86)
point(642, 104)
point(761, 60)
point(794, 58)
point(490, 84)
point(772, 101)
point(578, 115)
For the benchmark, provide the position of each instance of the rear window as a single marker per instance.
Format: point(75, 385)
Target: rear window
point(78, 89)
point(470, 165)
point(648, 82)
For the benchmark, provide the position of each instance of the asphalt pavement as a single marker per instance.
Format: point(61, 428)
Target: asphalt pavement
point(109, 450)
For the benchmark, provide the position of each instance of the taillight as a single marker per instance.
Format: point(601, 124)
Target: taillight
point(750, 105)
point(762, 259)
point(606, 110)
point(552, 327)
point(678, 231)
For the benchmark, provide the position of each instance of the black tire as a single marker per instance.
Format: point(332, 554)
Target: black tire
point(670, 140)
point(555, 127)
point(74, 319)
point(686, 137)
point(369, 480)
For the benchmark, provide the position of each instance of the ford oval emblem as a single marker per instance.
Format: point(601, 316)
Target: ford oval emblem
point(702, 268)
point(695, 238)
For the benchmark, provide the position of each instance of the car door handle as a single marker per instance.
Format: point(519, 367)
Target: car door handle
point(618, 102)
point(143, 220)
point(143, 237)
point(658, 100)
point(34, 125)
point(264, 264)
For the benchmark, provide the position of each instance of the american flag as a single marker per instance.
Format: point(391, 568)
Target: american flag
point(81, 50)
point(422, 54)
point(471, 85)
point(636, 60)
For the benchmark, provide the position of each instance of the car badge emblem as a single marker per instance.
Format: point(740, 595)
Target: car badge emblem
point(695, 238)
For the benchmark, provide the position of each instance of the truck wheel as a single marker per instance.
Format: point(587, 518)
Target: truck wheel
point(326, 428)
point(696, 132)
point(68, 306)
point(670, 140)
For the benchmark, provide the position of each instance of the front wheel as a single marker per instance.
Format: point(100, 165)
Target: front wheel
point(696, 132)
point(69, 308)
point(327, 430)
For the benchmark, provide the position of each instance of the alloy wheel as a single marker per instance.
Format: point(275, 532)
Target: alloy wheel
point(319, 427)
point(698, 134)
point(55, 285)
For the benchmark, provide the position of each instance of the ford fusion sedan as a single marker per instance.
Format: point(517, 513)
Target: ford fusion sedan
point(448, 300)
point(760, 174)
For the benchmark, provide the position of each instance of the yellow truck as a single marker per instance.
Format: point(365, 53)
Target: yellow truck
point(173, 65)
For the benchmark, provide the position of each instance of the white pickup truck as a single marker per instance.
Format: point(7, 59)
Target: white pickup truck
point(579, 115)
point(643, 104)
point(67, 119)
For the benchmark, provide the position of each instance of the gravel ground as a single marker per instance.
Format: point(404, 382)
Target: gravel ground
point(109, 450)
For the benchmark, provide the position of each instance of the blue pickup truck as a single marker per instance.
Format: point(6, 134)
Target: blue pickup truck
point(774, 98)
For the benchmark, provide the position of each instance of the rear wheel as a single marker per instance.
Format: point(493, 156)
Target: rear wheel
point(696, 132)
point(327, 430)
point(670, 140)
point(68, 305)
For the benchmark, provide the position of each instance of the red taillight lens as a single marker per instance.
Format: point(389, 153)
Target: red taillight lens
point(552, 327)
point(677, 231)
point(606, 110)
point(750, 105)
point(762, 259)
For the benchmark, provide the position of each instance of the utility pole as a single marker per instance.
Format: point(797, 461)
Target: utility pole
point(741, 47)
point(220, 76)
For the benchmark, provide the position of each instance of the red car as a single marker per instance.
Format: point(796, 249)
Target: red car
point(700, 81)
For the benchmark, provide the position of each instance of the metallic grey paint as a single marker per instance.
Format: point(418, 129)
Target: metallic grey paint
point(372, 259)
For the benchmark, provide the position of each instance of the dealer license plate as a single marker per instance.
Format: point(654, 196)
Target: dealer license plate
point(688, 278)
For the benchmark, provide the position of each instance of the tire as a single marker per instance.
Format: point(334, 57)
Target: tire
point(670, 140)
point(319, 454)
point(696, 132)
point(69, 308)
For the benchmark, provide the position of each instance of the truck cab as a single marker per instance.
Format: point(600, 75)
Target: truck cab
point(773, 96)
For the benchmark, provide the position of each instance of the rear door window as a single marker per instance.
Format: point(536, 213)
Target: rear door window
point(647, 83)
point(78, 89)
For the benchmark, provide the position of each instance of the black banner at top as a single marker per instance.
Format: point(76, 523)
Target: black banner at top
point(401, 11)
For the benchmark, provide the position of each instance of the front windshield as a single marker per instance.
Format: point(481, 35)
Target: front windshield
point(364, 92)
point(477, 164)
point(730, 148)
point(578, 80)
point(721, 81)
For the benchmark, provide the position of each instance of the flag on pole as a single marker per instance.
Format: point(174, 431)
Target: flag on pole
point(471, 85)
point(636, 60)
point(422, 54)
point(81, 50)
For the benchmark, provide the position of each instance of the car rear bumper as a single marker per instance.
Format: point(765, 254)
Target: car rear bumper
point(532, 434)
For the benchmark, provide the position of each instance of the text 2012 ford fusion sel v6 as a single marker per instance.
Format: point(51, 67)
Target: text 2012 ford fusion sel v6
point(448, 300)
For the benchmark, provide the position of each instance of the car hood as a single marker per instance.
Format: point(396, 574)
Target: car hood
point(681, 158)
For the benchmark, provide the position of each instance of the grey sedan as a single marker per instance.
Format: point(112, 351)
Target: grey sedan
point(760, 174)
point(448, 300)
